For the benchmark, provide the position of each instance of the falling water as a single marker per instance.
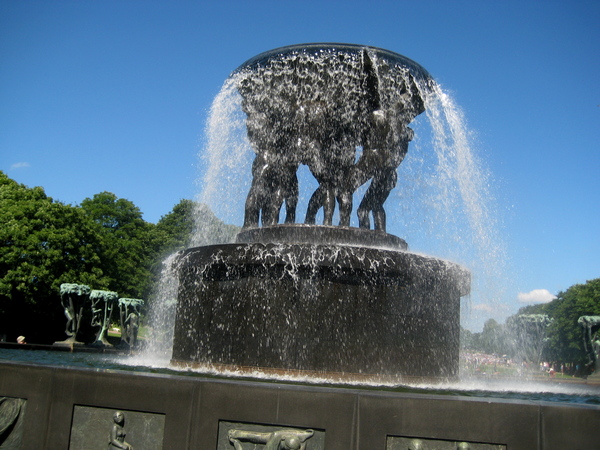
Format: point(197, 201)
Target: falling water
point(463, 200)
point(226, 161)
point(161, 319)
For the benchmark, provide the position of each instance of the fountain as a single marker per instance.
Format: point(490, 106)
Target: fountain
point(327, 302)
point(347, 302)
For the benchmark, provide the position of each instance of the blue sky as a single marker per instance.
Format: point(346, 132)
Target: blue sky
point(113, 96)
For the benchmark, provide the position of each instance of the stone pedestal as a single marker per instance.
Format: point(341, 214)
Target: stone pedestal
point(325, 308)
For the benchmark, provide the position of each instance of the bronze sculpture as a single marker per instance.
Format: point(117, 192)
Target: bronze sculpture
point(129, 317)
point(591, 340)
point(75, 302)
point(103, 303)
point(321, 298)
point(117, 433)
point(316, 105)
point(276, 440)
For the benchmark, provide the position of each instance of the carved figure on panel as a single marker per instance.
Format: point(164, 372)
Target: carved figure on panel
point(11, 419)
point(117, 433)
point(276, 440)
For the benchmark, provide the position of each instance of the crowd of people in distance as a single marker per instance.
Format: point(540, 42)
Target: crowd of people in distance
point(483, 364)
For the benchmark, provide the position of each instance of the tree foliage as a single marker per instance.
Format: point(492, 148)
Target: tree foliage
point(492, 339)
point(43, 243)
point(557, 328)
point(174, 230)
point(126, 254)
point(565, 335)
point(103, 243)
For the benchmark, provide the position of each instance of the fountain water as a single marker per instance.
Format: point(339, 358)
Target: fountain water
point(320, 298)
point(309, 298)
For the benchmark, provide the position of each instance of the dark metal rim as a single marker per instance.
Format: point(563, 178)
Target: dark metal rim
point(415, 68)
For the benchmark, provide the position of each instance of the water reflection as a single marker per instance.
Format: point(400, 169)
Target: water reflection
point(509, 389)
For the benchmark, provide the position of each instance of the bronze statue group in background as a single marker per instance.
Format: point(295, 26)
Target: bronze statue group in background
point(89, 314)
point(591, 341)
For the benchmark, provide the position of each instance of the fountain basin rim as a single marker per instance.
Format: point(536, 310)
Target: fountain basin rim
point(321, 235)
point(342, 378)
point(261, 59)
point(240, 260)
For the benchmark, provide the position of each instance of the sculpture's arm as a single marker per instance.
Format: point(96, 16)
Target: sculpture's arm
point(249, 436)
point(114, 441)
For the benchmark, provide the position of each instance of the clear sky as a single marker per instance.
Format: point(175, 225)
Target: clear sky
point(113, 95)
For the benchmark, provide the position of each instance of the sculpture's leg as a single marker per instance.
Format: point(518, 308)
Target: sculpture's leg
point(364, 208)
point(258, 191)
point(79, 317)
point(101, 336)
point(328, 205)
point(314, 204)
point(290, 211)
point(291, 199)
point(379, 218)
point(271, 208)
point(252, 210)
point(345, 202)
point(389, 178)
point(69, 314)
point(376, 195)
point(122, 319)
point(254, 437)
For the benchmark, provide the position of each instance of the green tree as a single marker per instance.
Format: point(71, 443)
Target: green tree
point(43, 244)
point(189, 224)
point(467, 339)
point(492, 339)
point(564, 334)
point(127, 251)
point(210, 229)
point(173, 232)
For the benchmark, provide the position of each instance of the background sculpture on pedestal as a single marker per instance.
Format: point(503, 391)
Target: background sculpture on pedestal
point(591, 341)
point(75, 299)
point(103, 303)
point(130, 320)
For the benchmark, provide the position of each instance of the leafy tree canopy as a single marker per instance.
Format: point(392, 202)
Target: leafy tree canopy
point(174, 230)
point(103, 243)
point(554, 324)
point(127, 254)
point(565, 335)
point(43, 244)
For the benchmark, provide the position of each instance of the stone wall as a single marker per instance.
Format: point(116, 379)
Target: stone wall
point(64, 408)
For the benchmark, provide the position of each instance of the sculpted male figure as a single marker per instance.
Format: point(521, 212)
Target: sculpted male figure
point(384, 150)
point(276, 440)
point(327, 148)
point(274, 168)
